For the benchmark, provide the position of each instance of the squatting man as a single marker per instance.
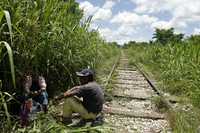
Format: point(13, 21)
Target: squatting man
point(86, 100)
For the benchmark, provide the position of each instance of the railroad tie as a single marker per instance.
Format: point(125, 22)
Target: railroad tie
point(132, 104)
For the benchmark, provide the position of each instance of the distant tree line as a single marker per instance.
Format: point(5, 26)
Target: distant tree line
point(166, 36)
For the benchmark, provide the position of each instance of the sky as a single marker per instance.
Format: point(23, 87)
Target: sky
point(125, 20)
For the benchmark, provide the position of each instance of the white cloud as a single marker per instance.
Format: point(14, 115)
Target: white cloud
point(149, 6)
point(125, 30)
point(88, 8)
point(138, 24)
point(102, 14)
point(109, 4)
point(111, 35)
point(122, 34)
point(105, 12)
point(98, 13)
point(168, 24)
point(129, 27)
point(130, 18)
point(182, 11)
point(108, 34)
point(179, 6)
point(196, 31)
point(161, 24)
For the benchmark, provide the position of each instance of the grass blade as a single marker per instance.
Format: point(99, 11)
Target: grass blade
point(1, 15)
point(12, 67)
point(8, 20)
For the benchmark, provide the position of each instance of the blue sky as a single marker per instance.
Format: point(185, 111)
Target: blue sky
point(125, 20)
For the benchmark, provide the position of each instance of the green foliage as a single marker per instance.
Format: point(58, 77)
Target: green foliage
point(132, 43)
point(184, 121)
point(160, 104)
point(47, 124)
point(195, 39)
point(176, 67)
point(10, 54)
point(9, 50)
point(4, 114)
point(50, 38)
point(164, 36)
point(3, 102)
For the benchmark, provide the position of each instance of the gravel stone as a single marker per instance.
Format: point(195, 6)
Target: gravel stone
point(130, 85)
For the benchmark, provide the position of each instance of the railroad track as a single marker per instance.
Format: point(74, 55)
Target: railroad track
point(131, 109)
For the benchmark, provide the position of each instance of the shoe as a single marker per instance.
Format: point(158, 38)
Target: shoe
point(98, 121)
point(66, 120)
point(81, 123)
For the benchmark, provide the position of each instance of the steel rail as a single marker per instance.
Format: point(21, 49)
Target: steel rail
point(153, 86)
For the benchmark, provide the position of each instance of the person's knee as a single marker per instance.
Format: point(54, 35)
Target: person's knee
point(91, 116)
point(69, 100)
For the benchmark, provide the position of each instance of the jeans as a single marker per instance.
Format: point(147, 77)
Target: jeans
point(42, 98)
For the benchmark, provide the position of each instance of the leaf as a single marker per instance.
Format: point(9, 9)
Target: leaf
point(12, 67)
point(8, 20)
point(1, 15)
point(5, 108)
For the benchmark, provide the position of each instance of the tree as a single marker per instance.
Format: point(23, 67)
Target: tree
point(130, 43)
point(195, 39)
point(165, 36)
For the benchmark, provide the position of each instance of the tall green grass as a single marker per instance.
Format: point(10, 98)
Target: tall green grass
point(176, 68)
point(47, 37)
point(3, 100)
point(176, 65)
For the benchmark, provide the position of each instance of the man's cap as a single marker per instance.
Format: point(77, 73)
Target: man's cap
point(85, 73)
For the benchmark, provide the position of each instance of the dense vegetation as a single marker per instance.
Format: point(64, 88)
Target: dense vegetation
point(49, 38)
point(175, 63)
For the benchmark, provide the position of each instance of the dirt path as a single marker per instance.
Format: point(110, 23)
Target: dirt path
point(131, 110)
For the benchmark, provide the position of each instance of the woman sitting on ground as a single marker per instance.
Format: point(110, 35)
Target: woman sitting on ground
point(35, 98)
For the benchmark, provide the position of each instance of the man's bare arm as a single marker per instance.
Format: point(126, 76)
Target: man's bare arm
point(74, 88)
point(71, 92)
point(68, 93)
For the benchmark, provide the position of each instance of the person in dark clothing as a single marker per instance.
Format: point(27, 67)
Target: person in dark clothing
point(26, 100)
point(92, 99)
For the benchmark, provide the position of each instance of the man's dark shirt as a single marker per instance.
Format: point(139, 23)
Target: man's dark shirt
point(92, 95)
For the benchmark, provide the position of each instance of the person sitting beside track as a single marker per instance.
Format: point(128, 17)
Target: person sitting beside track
point(90, 106)
point(35, 98)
